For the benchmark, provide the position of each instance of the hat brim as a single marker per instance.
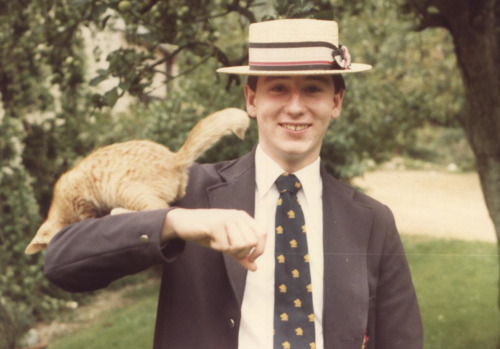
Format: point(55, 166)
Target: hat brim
point(245, 70)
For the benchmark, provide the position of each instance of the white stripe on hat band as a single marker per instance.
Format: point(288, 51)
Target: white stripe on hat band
point(292, 56)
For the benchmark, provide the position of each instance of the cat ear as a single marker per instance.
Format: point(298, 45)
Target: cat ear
point(34, 248)
point(42, 237)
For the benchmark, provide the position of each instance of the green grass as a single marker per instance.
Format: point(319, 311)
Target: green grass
point(130, 326)
point(457, 288)
point(456, 282)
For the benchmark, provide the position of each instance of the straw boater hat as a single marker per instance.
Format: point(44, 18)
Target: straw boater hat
point(296, 47)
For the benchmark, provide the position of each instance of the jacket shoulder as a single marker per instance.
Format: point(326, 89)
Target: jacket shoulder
point(348, 191)
point(204, 176)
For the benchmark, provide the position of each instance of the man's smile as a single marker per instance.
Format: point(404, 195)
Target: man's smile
point(294, 127)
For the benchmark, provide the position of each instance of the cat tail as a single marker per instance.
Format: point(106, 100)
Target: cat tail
point(209, 130)
point(42, 237)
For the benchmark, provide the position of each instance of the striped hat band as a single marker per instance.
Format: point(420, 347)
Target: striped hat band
point(310, 55)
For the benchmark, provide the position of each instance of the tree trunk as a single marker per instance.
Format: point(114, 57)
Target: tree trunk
point(473, 26)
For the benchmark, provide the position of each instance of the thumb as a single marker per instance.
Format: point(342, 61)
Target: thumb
point(247, 263)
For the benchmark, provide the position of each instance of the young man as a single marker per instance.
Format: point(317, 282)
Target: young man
point(358, 291)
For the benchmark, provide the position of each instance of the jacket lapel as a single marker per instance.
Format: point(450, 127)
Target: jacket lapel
point(237, 191)
point(346, 232)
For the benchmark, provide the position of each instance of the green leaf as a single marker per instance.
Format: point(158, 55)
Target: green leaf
point(97, 80)
point(110, 97)
point(79, 3)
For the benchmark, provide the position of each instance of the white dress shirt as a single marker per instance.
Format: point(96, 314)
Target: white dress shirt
point(257, 312)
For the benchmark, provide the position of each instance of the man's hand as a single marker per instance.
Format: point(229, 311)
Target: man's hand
point(230, 231)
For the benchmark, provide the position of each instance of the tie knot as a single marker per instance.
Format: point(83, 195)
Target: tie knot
point(288, 183)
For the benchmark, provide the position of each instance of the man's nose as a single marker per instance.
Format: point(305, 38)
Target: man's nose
point(296, 106)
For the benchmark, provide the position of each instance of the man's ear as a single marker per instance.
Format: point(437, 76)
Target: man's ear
point(337, 104)
point(250, 101)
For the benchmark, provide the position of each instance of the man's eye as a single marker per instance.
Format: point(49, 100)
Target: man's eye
point(312, 89)
point(278, 88)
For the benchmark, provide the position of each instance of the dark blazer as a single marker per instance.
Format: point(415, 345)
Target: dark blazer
point(367, 284)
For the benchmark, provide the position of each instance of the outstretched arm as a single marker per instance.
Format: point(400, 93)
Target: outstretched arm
point(91, 254)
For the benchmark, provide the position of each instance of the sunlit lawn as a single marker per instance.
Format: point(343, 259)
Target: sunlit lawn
point(456, 283)
point(457, 287)
point(130, 326)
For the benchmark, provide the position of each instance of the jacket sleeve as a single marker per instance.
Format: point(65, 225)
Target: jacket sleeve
point(89, 255)
point(394, 306)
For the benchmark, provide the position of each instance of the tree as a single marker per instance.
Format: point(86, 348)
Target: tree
point(475, 29)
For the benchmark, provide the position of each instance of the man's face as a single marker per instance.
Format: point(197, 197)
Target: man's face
point(293, 114)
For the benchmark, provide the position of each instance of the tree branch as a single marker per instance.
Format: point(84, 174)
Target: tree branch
point(148, 7)
point(170, 78)
point(432, 21)
point(244, 11)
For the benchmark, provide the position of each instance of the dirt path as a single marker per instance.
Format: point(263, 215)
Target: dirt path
point(438, 204)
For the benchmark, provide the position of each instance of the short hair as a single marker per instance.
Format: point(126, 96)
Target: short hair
point(338, 82)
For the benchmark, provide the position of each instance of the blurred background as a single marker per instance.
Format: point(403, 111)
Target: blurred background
point(79, 74)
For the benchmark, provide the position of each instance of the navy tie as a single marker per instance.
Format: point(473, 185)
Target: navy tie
point(293, 304)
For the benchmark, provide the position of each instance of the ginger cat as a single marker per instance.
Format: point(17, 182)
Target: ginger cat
point(135, 175)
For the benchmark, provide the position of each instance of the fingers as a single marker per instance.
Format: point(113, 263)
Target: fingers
point(245, 263)
point(248, 261)
point(240, 237)
point(230, 231)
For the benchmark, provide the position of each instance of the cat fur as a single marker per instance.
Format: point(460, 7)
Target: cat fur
point(135, 175)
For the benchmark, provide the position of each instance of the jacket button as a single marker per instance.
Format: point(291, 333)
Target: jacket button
point(144, 238)
point(231, 323)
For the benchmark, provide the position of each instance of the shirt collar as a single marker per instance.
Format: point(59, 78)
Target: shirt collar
point(267, 171)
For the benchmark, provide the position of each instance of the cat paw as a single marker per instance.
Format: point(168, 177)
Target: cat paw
point(120, 210)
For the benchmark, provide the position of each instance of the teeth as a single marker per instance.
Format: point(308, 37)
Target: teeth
point(295, 127)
